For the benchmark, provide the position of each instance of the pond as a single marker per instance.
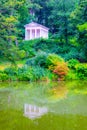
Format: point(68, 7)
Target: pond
point(43, 105)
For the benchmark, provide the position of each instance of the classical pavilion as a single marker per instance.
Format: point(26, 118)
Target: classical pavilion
point(34, 30)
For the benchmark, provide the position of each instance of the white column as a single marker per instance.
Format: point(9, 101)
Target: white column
point(35, 33)
point(30, 34)
point(40, 33)
point(47, 35)
point(25, 34)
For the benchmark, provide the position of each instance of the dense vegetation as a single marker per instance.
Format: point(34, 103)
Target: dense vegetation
point(62, 56)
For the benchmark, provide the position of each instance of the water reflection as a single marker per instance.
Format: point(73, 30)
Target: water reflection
point(65, 101)
point(32, 111)
point(59, 92)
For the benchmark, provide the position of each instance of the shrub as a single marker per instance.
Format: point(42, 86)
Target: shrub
point(22, 54)
point(34, 73)
point(72, 63)
point(27, 46)
point(24, 73)
point(42, 73)
point(50, 46)
point(61, 70)
point(81, 71)
point(11, 71)
point(32, 46)
point(39, 60)
point(71, 75)
point(53, 60)
point(3, 76)
point(45, 44)
point(38, 73)
point(57, 65)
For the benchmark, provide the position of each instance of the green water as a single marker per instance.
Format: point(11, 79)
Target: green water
point(50, 106)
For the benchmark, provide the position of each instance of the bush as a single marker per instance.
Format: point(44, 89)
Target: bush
point(72, 63)
point(45, 44)
point(11, 71)
point(61, 70)
point(57, 65)
point(71, 75)
point(22, 54)
point(3, 76)
point(40, 73)
point(81, 71)
point(50, 46)
point(34, 73)
point(25, 73)
point(53, 60)
point(32, 46)
point(27, 46)
point(39, 60)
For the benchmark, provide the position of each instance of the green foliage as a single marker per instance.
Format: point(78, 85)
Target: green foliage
point(81, 70)
point(27, 73)
point(67, 21)
point(57, 65)
point(72, 75)
point(32, 46)
point(77, 70)
point(10, 24)
point(22, 54)
point(53, 59)
point(50, 46)
point(82, 27)
point(3, 76)
point(43, 59)
point(39, 59)
point(72, 63)
point(34, 73)
point(52, 62)
point(73, 53)
point(12, 71)
point(79, 19)
point(27, 46)
point(40, 73)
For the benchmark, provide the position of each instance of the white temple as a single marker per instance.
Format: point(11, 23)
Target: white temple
point(34, 30)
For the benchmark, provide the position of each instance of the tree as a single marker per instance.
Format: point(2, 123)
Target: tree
point(9, 21)
point(80, 20)
point(59, 19)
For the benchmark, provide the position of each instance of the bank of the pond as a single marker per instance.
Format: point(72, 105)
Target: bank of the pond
point(40, 74)
point(45, 68)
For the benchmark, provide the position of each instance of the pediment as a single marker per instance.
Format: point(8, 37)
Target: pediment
point(33, 24)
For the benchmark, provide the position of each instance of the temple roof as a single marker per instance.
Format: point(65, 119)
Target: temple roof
point(33, 24)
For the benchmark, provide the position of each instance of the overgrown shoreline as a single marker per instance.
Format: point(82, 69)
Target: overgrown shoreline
point(45, 67)
point(43, 61)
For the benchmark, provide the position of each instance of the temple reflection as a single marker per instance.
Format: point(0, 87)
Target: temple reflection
point(32, 111)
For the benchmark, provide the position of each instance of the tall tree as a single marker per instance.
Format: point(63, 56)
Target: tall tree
point(80, 20)
point(59, 19)
point(9, 21)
